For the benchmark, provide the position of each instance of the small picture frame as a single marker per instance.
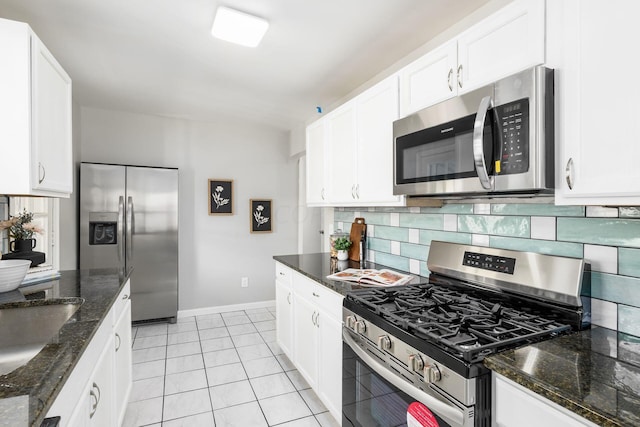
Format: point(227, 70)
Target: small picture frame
point(220, 196)
point(261, 215)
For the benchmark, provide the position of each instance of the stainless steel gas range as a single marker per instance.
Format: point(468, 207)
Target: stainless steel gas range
point(413, 354)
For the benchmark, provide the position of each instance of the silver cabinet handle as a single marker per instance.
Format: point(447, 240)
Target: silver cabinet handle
point(313, 320)
point(322, 194)
point(318, 320)
point(44, 173)
point(459, 76)
point(289, 298)
point(357, 191)
point(449, 82)
point(478, 144)
point(125, 297)
point(95, 395)
point(568, 170)
point(281, 273)
point(315, 295)
point(119, 341)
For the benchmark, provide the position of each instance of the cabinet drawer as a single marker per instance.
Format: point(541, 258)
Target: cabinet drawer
point(283, 274)
point(121, 301)
point(324, 298)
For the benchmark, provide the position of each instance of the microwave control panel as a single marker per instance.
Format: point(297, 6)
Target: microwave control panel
point(513, 127)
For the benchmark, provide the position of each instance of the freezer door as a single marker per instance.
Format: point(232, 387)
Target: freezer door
point(102, 194)
point(152, 241)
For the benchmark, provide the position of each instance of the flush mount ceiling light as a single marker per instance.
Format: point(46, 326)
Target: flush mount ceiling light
point(238, 27)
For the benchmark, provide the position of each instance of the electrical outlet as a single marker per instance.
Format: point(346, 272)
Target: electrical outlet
point(244, 282)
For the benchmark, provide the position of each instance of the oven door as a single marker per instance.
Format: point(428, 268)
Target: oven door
point(374, 396)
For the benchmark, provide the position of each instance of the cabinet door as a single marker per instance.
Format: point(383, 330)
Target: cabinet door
point(429, 80)
point(504, 43)
point(122, 374)
point(101, 393)
point(284, 317)
point(596, 149)
point(315, 157)
point(305, 339)
point(377, 108)
point(51, 167)
point(516, 406)
point(330, 369)
point(341, 137)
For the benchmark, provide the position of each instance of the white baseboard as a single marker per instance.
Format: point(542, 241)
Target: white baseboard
point(225, 308)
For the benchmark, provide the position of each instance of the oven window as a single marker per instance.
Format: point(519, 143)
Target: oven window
point(368, 400)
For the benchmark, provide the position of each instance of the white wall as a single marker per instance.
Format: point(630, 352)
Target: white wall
point(215, 251)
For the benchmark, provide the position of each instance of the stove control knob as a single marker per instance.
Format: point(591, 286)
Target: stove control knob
point(432, 373)
point(416, 363)
point(384, 342)
point(361, 327)
point(350, 322)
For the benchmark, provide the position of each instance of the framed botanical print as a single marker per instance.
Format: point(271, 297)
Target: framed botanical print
point(261, 215)
point(220, 197)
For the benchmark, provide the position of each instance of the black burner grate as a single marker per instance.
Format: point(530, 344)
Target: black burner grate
point(464, 322)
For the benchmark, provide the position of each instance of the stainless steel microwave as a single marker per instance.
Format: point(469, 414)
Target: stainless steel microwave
point(496, 140)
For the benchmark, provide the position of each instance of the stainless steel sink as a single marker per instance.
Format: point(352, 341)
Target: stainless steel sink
point(26, 329)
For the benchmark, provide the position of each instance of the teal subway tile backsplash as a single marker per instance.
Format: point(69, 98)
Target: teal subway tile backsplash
point(628, 320)
point(428, 221)
point(498, 225)
point(535, 209)
point(411, 250)
point(629, 262)
point(379, 244)
point(614, 288)
point(548, 247)
point(508, 226)
point(391, 233)
point(600, 231)
point(392, 261)
point(426, 236)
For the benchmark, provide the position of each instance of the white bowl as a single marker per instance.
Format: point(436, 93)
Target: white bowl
point(12, 272)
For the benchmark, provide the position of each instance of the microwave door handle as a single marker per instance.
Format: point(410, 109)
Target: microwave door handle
point(449, 412)
point(478, 144)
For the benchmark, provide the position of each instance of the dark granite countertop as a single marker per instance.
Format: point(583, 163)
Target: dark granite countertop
point(593, 373)
point(320, 265)
point(27, 393)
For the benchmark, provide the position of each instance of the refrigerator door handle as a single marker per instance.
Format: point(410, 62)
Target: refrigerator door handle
point(129, 228)
point(120, 229)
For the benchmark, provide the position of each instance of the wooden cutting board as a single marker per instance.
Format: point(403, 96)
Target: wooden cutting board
point(358, 228)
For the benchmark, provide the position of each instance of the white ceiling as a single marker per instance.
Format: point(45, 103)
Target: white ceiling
point(158, 57)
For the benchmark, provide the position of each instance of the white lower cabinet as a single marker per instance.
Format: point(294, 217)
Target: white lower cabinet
point(97, 391)
point(123, 375)
point(315, 322)
point(516, 406)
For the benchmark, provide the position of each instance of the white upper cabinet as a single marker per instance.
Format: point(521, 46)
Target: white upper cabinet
point(349, 151)
point(508, 41)
point(430, 79)
point(591, 43)
point(377, 109)
point(35, 116)
point(315, 158)
point(342, 177)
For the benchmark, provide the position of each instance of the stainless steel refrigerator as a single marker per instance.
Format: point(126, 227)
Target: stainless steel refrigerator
point(129, 218)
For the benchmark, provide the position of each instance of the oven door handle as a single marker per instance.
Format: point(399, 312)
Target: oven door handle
point(450, 413)
point(478, 143)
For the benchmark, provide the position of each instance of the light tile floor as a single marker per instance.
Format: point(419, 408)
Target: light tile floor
point(218, 370)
